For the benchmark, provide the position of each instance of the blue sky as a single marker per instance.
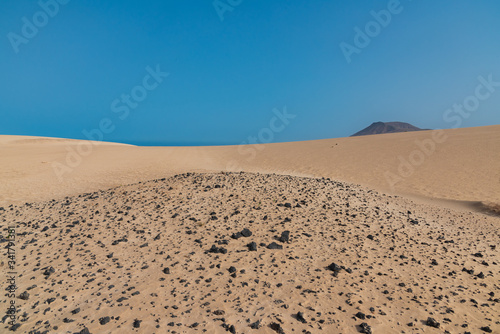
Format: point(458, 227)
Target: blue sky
point(225, 77)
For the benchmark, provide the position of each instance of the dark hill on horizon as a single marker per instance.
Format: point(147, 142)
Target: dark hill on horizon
point(386, 127)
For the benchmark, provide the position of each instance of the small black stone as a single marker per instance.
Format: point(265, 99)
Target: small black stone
point(334, 267)
point(360, 315)
point(274, 245)
point(255, 325)
point(432, 322)
point(300, 317)
point(15, 327)
point(285, 236)
point(24, 296)
point(277, 328)
point(236, 235)
point(49, 271)
point(468, 271)
point(365, 328)
point(215, 249)
point(246, 233)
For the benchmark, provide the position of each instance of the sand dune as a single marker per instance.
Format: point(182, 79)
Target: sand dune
point(249, 253)
point(301, 237)
point(464, 167)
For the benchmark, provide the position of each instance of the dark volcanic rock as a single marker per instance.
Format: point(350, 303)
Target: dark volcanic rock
point(334, 267)
point(246, 233)
point(252, 246)
point(365, 328)
point(216, 250)
point(432, 322)
point(24, 296)
point(285, 236)
point(468, 271)
point(104, 320)
point(15, 327)
point(274, 245)
point(360, 315)
point(49, 271)
point(236, 235)
point(255, 325)
point(277, 328)
point(300, 317)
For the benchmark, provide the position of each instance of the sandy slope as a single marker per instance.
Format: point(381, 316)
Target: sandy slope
point(165, 256)
point(137, 258)
point(465, 166)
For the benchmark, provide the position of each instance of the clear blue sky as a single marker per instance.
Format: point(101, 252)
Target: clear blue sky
point(226, 76)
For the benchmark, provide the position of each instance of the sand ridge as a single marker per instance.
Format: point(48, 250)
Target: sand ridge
point(255, 238)
point(465, 167)
point(253, 253)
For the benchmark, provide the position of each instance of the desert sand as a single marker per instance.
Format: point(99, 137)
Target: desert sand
point(301, 237)
point(465, 167)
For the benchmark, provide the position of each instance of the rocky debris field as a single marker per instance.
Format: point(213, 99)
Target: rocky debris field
point(251, 253)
